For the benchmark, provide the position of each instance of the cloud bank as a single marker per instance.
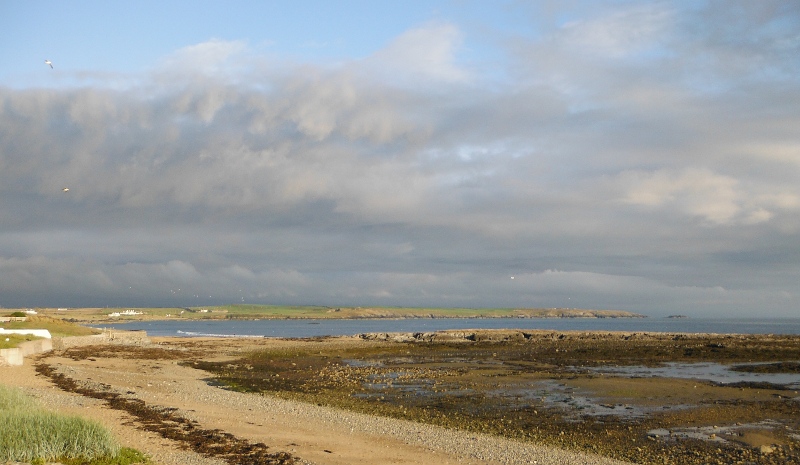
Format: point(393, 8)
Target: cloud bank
point(645, 158)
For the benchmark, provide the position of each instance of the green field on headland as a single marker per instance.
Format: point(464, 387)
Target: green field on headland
point(320, 312)
point(57, 327)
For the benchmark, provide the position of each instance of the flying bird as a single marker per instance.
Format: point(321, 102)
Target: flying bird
point(66, 189)
point(48, 62)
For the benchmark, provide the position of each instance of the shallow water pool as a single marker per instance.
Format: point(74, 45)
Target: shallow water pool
point(714, 372)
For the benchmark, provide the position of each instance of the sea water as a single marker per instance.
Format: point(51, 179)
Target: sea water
point(300, 328)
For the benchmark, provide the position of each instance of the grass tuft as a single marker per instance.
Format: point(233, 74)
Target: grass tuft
point(31, 434)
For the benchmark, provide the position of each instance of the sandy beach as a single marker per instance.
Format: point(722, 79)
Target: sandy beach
point(302, 432)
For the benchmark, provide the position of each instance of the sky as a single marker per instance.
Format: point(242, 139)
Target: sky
point(627, 155)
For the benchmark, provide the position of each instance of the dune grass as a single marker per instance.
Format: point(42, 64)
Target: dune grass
point(31, 434)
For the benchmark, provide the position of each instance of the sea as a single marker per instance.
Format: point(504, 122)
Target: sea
point(304, 328)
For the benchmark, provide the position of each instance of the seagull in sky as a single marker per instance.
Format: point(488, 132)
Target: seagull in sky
point(48, 62)
point(66, 189)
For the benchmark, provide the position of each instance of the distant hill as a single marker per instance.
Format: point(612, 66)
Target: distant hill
point(258, 312)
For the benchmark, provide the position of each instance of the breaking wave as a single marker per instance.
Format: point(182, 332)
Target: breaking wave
point(197, 334)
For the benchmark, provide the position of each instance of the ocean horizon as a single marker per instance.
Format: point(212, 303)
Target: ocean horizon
point(301, 328)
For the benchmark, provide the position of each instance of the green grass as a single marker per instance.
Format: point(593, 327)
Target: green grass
point(31, 434)
point(322, 312)
point(8, 341)
point(255, 312)
point(57, 327)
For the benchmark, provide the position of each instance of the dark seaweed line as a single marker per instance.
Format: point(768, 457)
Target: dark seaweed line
point(211, 443)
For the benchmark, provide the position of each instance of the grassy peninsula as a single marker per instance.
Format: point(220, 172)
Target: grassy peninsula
point(259, 312)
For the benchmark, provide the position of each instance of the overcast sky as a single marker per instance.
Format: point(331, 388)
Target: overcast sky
point(640, 155)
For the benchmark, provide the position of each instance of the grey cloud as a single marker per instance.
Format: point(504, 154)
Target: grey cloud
point(603, 172)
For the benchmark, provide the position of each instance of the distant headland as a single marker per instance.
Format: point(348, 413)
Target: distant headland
point(262, 312)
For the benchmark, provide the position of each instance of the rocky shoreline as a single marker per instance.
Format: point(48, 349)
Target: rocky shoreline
point(101, 380)
point(545, 387)
point(350, 400)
